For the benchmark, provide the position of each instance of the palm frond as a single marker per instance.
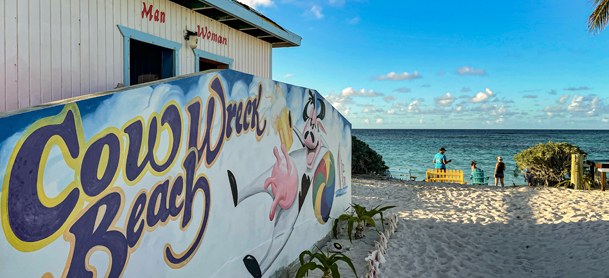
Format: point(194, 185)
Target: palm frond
point(598, 20)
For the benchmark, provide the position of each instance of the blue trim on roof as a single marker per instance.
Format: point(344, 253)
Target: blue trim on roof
point(255, 20)
point(210, 56)
point(129, 34)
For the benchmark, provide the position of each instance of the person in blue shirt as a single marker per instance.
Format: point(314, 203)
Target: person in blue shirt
point(440, 159)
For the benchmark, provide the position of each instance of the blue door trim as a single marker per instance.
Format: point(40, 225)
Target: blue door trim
point(129, 34)
point(210, 56)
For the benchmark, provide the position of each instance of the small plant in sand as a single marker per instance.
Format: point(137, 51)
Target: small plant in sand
point(327, 263)
point(359, 215)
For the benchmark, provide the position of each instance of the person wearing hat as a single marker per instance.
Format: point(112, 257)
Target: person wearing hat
point(499, 168)
point(440, 159)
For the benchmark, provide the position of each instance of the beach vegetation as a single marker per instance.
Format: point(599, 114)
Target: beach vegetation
point(365, 160)
point(588, 181)
point(548, 162)
point(325, 262)
point(358, 216)
point(597, 21)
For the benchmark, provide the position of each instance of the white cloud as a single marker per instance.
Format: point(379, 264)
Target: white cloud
point(564, 98)
point(256, 3)
point(390, 111)
point(552, 110)
point(414, 107)
point(339, 102)
point(466, 70)
point(403, 90)
point(366, 121)
point(399, 105)
point(421, 120)
point(379, 121)
point(581, 88)
point(482, 96)
point(605, 120)
point(498, 110)
point(398, 76)
point(500, 120)
point(389, 98)
point(316, 10)
point(288, 75)
point(355, 20)
point(445, 100)
point(361, 93)
point(373, 110)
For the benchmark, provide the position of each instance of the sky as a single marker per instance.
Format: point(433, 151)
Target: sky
point(448, 64)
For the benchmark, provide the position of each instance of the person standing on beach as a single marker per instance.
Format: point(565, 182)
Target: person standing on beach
point(440, 160)
point(499, 168)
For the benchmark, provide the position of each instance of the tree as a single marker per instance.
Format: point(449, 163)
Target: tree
point(547, 161)
point(365, 160)
point(598, 19)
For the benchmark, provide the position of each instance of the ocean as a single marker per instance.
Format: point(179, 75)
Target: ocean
point(415, 148)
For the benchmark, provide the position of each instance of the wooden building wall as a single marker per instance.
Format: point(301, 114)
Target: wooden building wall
point(57, 49)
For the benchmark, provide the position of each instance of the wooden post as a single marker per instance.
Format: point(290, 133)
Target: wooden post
point(603, 181)
point(577, 169)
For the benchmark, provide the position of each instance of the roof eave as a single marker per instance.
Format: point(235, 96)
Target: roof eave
point(288, 38)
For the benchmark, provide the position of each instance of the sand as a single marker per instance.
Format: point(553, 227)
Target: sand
point(448, 230)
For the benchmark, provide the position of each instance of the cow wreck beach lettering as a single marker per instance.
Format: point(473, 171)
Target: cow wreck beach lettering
point(31, 220)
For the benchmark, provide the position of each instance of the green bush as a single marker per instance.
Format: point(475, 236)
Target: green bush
point(365, 160)
point(547, 162)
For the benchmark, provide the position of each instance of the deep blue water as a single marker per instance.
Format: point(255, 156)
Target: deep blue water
point(414, 148)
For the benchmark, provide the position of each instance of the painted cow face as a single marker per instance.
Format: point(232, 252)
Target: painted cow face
point(313, 128)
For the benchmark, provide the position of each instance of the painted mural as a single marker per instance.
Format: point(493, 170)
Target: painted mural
point(221, 174)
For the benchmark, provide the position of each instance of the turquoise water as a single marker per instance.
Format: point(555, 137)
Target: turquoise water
point(414, 149)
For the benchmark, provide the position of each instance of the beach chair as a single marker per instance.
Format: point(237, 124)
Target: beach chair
point(400, 174)
point(478, 177)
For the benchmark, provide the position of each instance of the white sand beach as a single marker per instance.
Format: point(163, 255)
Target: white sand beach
point(448, 230)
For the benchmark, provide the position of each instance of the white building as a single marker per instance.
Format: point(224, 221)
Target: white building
point(57, 49)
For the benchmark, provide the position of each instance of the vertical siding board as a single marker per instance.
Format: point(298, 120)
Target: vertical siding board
point(84, 48)
point(117, 43)
point(34, 40)
point(66, 50)
point(12, 92)
point(162, 8)
point(23, 54)
point(56, 49)
point(168, 19)
point(101, 51)
point(179, 26)
point(143, 21)
point(123, 10)
point(76, 47)
point(137, 9)
point(93, 47)
point(3, 63)
point(109, 39)
point(131, 15)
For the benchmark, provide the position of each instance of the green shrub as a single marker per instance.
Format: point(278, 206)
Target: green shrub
point(547, 162)
point(365, 160)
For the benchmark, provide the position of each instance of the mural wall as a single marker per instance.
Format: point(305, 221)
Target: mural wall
point(215, 175)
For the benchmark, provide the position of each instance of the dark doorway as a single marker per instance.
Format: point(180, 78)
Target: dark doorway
point(205, 64)
point(149, 62)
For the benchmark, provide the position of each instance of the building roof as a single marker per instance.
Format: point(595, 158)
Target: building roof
point(245, 19)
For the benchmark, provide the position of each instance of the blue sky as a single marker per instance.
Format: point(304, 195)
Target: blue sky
point(448, 64)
